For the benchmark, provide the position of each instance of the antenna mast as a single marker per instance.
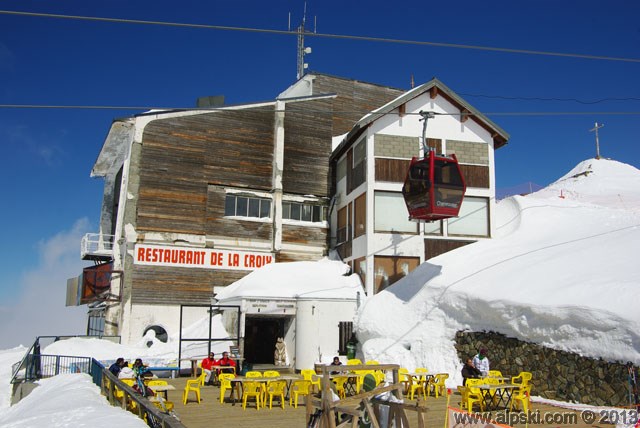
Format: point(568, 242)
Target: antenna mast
point(595, 128)
point(302, 51)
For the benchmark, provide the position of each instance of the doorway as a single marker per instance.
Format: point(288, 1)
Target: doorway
point(260, 335)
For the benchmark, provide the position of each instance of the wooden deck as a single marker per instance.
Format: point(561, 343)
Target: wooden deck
point(210, 413)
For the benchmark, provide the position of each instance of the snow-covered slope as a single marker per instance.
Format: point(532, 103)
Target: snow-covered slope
point(562, 271)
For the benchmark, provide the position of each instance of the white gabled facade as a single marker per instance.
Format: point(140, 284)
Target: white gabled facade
point(373, 233)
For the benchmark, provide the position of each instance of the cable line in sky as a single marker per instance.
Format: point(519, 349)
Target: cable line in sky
point(320, 35)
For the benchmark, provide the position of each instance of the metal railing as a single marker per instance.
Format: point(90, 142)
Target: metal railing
point(96, 244)
point(34, 365)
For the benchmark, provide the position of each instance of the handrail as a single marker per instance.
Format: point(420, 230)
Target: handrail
point(146, 409)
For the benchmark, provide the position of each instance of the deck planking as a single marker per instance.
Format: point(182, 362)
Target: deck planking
point(210, 413)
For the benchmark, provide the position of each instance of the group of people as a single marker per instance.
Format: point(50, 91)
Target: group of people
point(476, 367)
point(124, 370)
point(209, 362)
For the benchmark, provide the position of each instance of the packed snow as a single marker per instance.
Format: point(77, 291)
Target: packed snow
point(561, 271)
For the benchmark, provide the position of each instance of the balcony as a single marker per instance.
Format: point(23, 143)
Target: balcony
point(95, 246)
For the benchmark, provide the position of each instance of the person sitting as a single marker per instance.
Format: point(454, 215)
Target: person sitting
point(225, 361)
point(481, 362)
point(469, 371)
point(207, 366)
point(139, 369)
point(117, 366)
point(126, 372)
point(336, 362)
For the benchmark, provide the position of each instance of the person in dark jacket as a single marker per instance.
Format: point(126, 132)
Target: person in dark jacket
point(117, 366)
point(469, 371)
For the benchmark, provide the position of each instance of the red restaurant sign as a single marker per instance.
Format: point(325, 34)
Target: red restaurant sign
point(207, 258)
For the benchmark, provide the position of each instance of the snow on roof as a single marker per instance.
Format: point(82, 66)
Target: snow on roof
point(320, 279)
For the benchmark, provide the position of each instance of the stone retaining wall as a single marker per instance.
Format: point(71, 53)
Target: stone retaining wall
point(557, 375)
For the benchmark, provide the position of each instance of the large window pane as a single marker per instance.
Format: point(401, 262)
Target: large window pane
point(242, 205)
point(265, 208)
point(295, 212)
point(286, 210)
point(230, 205)
point(306, 213)
point(473, 219)
point(254, 207)
point(391, 214)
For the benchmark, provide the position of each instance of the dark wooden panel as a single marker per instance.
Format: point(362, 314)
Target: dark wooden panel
point(285, 257)
point(240, 149)
point(172, 188)
point(218, 225)
point(475, 175)
point(307, 148)
point(354, 99)
point(172, 285)
point(392, 170)
point(292, 234)
point(435, 247)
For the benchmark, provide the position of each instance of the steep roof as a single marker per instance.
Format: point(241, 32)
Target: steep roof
point(435, 87)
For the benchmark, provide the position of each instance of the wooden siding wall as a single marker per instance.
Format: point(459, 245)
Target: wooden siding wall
point(354, 100)
point(218, 225)
point(182, 155)
point(174, 286)
point(307, 148)
point(302, 235)
point(475, 175)
point(435, 247)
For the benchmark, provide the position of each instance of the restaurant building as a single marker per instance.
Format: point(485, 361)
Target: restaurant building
point(196, 199)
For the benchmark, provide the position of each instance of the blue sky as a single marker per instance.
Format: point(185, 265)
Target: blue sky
point(50, 198)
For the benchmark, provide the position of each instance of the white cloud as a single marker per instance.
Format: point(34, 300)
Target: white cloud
point(39, 309)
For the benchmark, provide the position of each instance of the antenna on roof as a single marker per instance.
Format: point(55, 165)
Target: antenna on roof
point(302, 50)
point(595, 128)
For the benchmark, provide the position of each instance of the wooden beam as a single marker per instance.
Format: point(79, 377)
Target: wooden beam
point(433, 92)
point(464, 115)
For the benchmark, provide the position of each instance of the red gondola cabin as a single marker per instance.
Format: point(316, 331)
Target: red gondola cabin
point(434, 187)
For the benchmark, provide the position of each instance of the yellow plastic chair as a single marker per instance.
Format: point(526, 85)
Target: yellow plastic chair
point(522, 379)
point(372, 363)
point(354, 362)
point(192, 385)
point(472, 396)
point(298, 388)
point(225, 383)
point(360, 379)
point(276, 389)
point(251, 389)
point(308, 374)
point(522, 395)
point(416, 385)
point(379, 376)
point(271, 373)
point(404, 378)
point(439, 387)
point(496, 374)
point(340, 382)
point(253, 374)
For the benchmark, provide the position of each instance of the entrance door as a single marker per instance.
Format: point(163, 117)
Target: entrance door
point(260, 335)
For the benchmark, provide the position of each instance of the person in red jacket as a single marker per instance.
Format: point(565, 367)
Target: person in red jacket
point(226, 362)
point(207, 365)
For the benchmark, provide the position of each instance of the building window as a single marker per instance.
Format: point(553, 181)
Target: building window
point(244, 206)
point(359, 163)
point(360, 215)
point(303, 212)
point(345, 333)
point(473, 219)
point(390, 269)
point(391, 214)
